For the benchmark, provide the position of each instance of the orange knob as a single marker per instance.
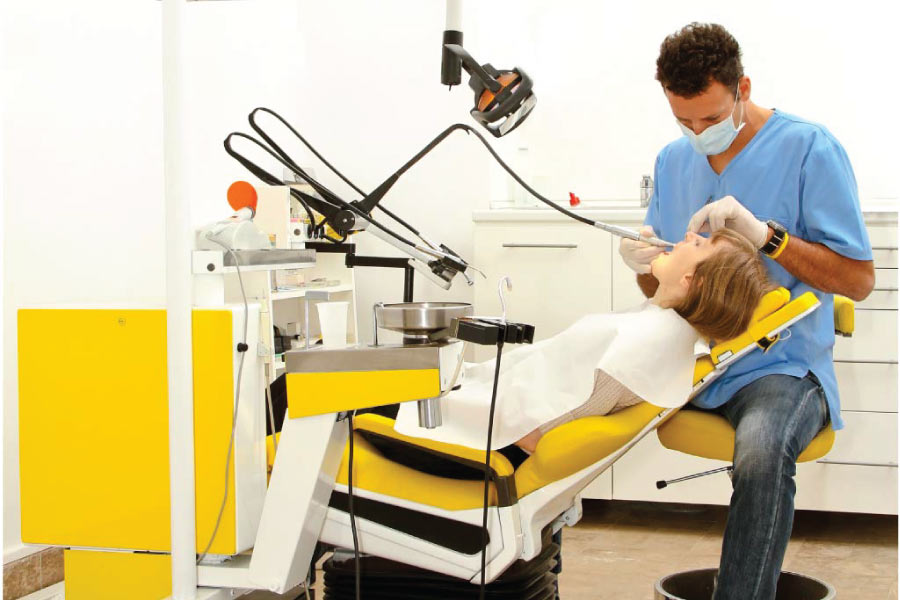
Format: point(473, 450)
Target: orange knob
point(242, 195)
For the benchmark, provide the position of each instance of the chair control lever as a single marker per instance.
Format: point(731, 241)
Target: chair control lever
point(664, 483)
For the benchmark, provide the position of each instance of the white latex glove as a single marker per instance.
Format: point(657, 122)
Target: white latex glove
point(638, 255)
point(730, 213)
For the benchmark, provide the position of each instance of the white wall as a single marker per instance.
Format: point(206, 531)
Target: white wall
point(82, 153)
point(601, 116)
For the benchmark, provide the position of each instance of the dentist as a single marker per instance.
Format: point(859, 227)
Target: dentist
point(787, 185)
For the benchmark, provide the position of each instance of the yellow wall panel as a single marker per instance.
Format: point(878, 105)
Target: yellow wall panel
point(93, 428)
point(92, 575)
point(213, 401)
point(94, 433)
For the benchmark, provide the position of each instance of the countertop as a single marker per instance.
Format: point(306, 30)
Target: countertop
point(874, 211)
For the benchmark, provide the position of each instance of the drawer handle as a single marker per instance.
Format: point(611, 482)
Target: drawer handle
point(866, 362)
point(894, 248)
point(559, 246)
point(884, 289)
point(825, 461)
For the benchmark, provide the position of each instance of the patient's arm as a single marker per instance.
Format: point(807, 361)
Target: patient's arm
point(529, 442)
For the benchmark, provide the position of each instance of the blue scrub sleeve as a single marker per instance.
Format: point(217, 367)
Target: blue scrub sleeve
point(829, 201)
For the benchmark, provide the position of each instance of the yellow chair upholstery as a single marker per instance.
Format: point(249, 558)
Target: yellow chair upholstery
point(567, 449)
point(709, 435)
point(844, 312)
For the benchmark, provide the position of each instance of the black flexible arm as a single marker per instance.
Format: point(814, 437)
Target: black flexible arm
point(331, 205)
point(441, 137)
point(258, 129)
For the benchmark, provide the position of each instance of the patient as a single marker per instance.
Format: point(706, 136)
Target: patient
point(713, 283)
point(708, 290)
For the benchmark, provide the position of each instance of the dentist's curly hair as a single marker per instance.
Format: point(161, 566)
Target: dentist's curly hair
point(692, 58)
point(726, 288)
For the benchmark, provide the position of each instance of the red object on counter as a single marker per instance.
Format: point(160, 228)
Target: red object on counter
point(242, 194)
point(573, 199)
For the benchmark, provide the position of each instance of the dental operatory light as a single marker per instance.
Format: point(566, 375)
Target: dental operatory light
point(503, 98)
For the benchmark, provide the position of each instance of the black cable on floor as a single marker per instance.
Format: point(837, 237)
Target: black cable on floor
point(350, 504)
point(487, 469)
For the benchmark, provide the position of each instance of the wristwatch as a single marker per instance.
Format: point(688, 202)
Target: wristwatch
point(777, 242)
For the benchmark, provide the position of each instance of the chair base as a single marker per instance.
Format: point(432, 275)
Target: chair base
point(382, 579)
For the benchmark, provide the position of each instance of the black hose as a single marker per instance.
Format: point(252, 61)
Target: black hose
point(350, 505)
point(487, 469)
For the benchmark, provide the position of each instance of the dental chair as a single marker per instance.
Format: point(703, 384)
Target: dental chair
point(420, 528)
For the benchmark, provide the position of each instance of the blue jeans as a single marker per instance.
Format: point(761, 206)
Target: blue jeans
point(774, 418)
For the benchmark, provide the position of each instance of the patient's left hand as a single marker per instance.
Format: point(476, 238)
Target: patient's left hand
point(728, 212)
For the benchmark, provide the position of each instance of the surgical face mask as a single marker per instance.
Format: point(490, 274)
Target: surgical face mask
point(715, 139)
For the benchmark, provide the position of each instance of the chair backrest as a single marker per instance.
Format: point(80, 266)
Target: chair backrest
point(776, 311)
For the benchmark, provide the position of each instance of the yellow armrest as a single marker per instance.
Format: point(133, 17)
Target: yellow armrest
point(844, 311)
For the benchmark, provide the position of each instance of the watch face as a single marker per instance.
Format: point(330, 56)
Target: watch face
point(778, 227)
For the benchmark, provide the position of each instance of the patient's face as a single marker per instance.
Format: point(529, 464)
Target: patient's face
point(674, 269)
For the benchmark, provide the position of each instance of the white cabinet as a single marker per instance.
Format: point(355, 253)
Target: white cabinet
point(563, 270)
point(559, 272)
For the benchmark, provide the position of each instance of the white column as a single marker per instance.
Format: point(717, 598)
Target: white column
point(178, 312)
point(454, 16)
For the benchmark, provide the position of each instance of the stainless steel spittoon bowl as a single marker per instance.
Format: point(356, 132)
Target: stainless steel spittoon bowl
point(420, 319)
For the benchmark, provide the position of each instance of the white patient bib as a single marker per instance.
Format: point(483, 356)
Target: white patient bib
point(650, 350)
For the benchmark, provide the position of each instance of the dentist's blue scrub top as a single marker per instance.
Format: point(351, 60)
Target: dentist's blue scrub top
point(796, 173)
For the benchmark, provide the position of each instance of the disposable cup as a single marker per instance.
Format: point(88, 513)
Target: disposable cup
point(333, 323)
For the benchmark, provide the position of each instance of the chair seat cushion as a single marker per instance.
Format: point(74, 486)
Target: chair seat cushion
point(709, 435)
point(573, 446)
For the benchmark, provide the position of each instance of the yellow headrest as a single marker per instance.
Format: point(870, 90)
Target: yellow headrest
point(770, 303)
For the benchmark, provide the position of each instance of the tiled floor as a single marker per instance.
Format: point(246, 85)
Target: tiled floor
point(619, 549)
point(31, 573)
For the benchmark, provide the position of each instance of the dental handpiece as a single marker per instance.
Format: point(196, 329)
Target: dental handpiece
point(631, 234)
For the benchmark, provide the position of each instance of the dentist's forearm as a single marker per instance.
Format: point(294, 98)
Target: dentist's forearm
point(824, 269)
point(648, 284)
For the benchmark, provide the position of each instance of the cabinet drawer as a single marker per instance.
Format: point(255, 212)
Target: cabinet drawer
point(874, 339)
point(846, 488)
point(600, 488)
point(635, 476)
point(867, 386)
point(882, 235)
point(886, 279)
point(867, 437)
point(880, 299)
point(884, 257)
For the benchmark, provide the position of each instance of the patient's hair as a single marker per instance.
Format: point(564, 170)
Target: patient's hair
point(726, 288)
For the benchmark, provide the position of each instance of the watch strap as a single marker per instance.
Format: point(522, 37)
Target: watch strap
point(775, 246)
